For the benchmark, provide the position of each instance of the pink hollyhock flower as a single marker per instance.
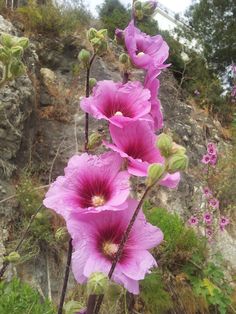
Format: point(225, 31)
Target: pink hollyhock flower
point(207, 192)
point(213, 202)
point(152, 83)
point(233, 92)
point(206, 159)
point(207, 218)
point(193, 221)
point(224, 221)
point(90, 184)
point(145, 51)
point(211, 149)
point(136, 143)
point(96, 239)
point(118, 103)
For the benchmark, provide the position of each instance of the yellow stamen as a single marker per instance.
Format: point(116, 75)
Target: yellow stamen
point(98, 200)
point(118, 113)
point(110, 249)
point(140, 54)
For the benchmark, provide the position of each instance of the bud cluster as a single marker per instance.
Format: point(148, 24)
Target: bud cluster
point(176, 159)
point(11, 52)
point(98, 39)
point(144, 9)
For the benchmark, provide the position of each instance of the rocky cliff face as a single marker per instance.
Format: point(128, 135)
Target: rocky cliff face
point(53, 132)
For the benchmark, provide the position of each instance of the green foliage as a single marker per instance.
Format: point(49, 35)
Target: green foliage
point(20, 298)
point(179, 242)
point(214, 22)
point(114, 15)
point(41, 233)
point(208, 281)
point(11, 53)
point(154, 295)
point(54, 20)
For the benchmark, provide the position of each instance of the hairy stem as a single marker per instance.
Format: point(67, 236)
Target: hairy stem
point(87, 92)
point(66, 277)
point(121, 247)
point(6, 263)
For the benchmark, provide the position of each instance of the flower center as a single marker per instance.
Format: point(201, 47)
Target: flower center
point(118, 113)
point(140, 54)
point(109, 248)
point(98, 200)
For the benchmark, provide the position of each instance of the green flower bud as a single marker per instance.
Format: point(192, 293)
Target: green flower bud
point(91, 33)
point(72, 307)
point(124, 58)
point(139, 14)
point(17, 51)
point(102, 33)
point(23, 42)
point(97, 283)
point(178, 162)
point(4, 56)
point(61, 234)
point(13, 257)
point(178, 149)
point(164, 143)
point(92, 82)
point(155, 172)
point(17, 68)
point(84, 57)
point(7, 40)
point(95, 140)
point(149, 7)
point(138, 5)
point(39, 216)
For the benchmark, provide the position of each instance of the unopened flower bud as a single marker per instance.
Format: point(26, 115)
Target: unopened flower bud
point(138, 5)
point(149, 7)
point(17, 68)
point(91, 33)
point(95, 140)
point(39, 216)
point(102, 33)
point(17, 51)
point(92, 82)
point(139, 14)
point(178, 149)
point(178, 162)
point(23, 42)
point(61, 234)
point(155, 172)
point(13, 257)
point(84, 57)
point(164, 143)
point(97, 283)
point(124, 58)
point(119, 36)
point(7, 40)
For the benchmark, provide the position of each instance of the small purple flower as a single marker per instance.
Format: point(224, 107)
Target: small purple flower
point(209, 233)
point(207, 218)
point(224, 221)
point(213, 202)
point(207, 192)
point(213, 159)
point(193, 221)
point(206, 159)
point(196, 92)
point(233, 92)
point(211, 149)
